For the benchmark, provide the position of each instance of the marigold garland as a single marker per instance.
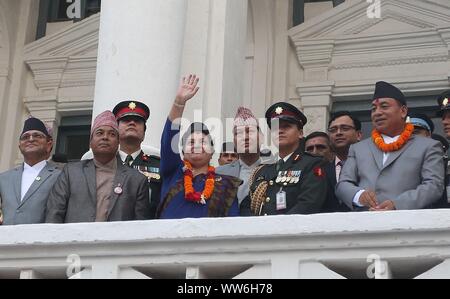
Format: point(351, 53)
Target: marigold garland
point(392, 147)
point(189, 193)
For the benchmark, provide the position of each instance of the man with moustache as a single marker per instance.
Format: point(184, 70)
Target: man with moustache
point(132, 117)
point(102, 189)
point(296, 184)
point(24, 190)
point(393, 170)
point(344, 129)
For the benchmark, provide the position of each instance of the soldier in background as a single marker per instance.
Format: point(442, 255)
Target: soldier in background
point(296, 184)
point(132, 117)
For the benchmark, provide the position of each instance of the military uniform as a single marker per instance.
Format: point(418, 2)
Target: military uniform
point(444, 106)
point(149, 166)
point(298, 186)
point(295, 186)
point(145, 164)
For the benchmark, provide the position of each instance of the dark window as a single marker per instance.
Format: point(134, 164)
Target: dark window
point(73, 137)
point(299, 9)
point(56, 11)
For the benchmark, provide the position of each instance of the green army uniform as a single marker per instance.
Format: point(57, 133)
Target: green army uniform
point(149, 166)
point(297, 186)
point(301, 179)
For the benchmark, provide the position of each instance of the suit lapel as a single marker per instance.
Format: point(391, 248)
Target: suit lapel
point(119, 181)
point(45, 173)
point(17, 183)
point(377, 154)
point(394, 155)
point(89, 174)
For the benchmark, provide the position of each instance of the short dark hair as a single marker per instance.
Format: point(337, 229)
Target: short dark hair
point(336, 115)
point(197, 127)
point(317, 134)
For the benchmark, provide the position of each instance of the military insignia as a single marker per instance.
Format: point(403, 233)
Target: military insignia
point(279, 110)
point(260, 178)
point(445, 102)
point(132, 105)
point(318, 172)
point(297, 158)
point(145, 158)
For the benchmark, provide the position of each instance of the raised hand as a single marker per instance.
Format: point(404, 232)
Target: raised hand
point(187, 90)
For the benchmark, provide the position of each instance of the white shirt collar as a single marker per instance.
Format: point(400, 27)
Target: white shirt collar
point(124, 155)
point(389, 140)
point(36, 167)
point(285, 159)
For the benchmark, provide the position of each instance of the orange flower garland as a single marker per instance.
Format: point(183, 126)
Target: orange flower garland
point(189, 192)
point(392, 147)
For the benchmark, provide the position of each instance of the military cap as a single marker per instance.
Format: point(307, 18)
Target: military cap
point(444, 102)
point(422, 121)
point(386, 90)
point(287, 112)
point(131, 108)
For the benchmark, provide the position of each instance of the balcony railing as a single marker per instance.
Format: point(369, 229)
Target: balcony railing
point(402, 244)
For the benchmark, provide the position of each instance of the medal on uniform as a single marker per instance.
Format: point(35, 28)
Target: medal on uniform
point(281, 200)
point(118, 190)
point(297, 179)
point(284, 177)
point(278, 179)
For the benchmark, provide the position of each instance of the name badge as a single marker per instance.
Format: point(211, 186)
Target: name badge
point(281, 201)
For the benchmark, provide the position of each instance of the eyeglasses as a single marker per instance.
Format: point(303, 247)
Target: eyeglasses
point(27, 136)
point(343, 128)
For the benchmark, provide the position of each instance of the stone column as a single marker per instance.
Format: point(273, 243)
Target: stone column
point(139, 57)
point(317, 103)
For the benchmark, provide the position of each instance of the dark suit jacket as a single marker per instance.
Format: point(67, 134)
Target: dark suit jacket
point(332, 203)
point(73, 198)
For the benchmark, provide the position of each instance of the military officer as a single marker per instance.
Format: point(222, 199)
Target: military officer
point(444, 113)
point(296, 184)
point(132, 117)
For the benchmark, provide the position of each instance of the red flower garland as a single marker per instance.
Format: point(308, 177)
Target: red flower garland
point(189, 193)
point(392, 147)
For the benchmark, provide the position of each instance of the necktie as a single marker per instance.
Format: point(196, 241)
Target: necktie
point(129, 160)
point(280, 164)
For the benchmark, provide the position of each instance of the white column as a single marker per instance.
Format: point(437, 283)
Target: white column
point(214, 48)
point(139, 57)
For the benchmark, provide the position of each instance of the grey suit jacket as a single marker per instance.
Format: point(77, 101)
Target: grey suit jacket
point(412, 177)
point(234, 170)
point(73, 198)
point(31, 209)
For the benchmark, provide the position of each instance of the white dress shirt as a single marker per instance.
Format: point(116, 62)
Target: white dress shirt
point(387, 140)
point(29, 175)
point(123, 155)
point(338, 167)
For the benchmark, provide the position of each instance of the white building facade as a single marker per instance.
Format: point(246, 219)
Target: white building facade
point(245, 52)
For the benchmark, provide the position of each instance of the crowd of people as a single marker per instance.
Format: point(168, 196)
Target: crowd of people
point(401, 166)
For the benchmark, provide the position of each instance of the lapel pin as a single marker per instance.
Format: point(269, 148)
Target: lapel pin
point(38, 178)
point(118, 190)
